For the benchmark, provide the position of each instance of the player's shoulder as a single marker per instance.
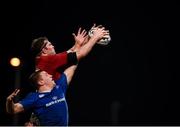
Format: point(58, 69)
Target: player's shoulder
point(61, 79)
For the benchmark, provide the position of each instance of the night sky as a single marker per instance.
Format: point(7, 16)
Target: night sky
point(131, 81)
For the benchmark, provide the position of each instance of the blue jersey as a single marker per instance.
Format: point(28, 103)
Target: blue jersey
point(50, 107)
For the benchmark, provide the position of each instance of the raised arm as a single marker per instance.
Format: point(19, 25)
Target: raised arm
point(12, 107)
point(82, 38)
point(99, 33)
point(69, 72)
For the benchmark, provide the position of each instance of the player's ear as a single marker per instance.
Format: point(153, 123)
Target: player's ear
point(40, 82)
point(44, 50)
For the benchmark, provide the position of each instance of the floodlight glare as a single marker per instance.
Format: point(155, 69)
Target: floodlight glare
point(15, 62)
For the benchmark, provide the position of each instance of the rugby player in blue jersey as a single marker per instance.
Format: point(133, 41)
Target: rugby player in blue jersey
point(49, 102)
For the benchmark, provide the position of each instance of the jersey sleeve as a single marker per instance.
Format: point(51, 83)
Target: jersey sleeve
point(51, 63)
point(55, 64)
point(62, 82)
point(28, 101)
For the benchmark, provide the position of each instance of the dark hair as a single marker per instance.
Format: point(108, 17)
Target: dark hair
point(34, 77)
point(37, 45)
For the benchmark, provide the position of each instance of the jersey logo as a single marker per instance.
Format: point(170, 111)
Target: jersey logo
point(55, 102)
point(54, 98)
point(41, 95)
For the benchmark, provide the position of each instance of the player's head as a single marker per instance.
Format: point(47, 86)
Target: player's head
point(41, 78)
point(41, 46)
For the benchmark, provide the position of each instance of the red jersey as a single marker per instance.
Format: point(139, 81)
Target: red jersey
point(51, 63)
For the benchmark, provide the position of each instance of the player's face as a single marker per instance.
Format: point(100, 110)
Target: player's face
point(49, 48)
point(47, 78)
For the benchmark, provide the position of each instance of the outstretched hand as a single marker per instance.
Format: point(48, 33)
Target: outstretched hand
point(99, 32)
point(81, 37)
point(13, 95)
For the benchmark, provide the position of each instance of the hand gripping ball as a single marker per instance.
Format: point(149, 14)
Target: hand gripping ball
point(104, 41)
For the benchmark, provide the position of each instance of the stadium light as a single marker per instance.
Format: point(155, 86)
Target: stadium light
point(15, 62)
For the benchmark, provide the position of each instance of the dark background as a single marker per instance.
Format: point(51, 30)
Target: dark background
point(131, 81)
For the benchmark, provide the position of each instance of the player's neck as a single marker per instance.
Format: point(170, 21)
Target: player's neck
point(45, 88)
